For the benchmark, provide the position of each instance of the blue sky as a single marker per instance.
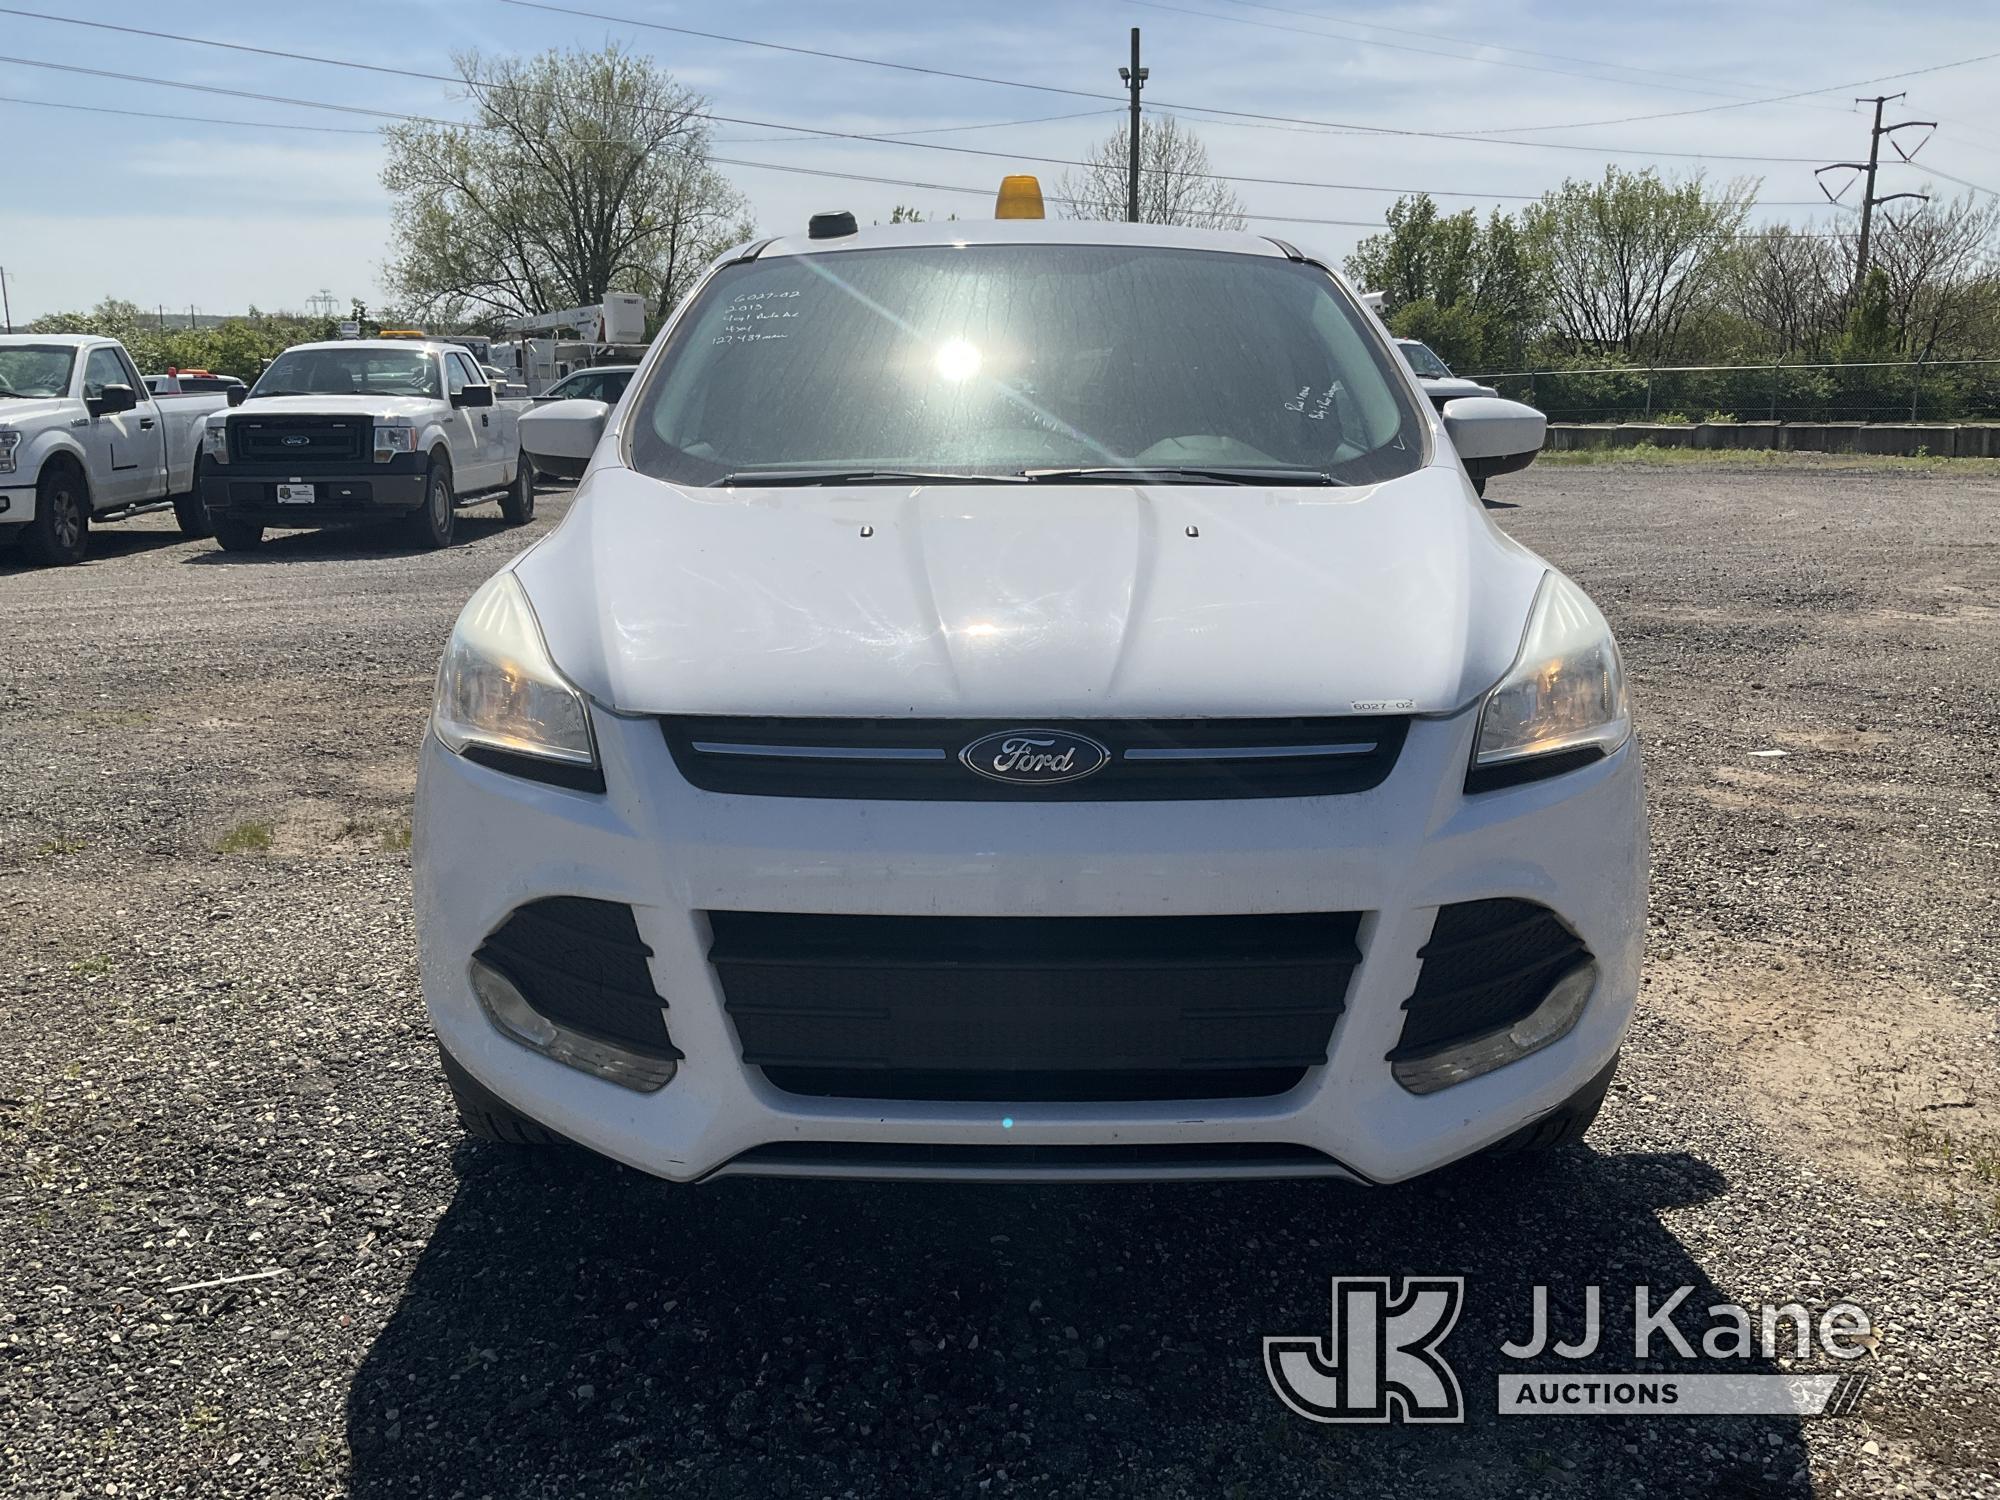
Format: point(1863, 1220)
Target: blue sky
point(223, 216)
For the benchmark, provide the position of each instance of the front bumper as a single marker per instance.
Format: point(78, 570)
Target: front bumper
point(241, 491)
point(17, 506)
point(487, 843)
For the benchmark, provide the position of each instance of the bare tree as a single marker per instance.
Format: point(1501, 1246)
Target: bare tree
point(581, 173)
point(1175, 183)
point(1940, 260)
point(1629, 258)
point(1791, 287)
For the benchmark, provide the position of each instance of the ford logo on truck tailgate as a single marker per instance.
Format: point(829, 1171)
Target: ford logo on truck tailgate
point(1035, 757)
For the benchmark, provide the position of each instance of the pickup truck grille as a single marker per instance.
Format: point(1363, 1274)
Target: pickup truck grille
point(1148, 760)
point(300, 441)
point(1023, 1008)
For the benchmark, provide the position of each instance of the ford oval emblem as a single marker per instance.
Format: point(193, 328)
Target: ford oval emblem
point(1035, 757)
point(296, 442)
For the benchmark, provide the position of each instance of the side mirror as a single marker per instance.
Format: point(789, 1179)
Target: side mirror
point(236, 395)
point(473, 395)
point(1493, 436)
point(561, 436)
point(116, 398)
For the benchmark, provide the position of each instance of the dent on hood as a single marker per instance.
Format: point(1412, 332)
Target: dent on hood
point(998, 601)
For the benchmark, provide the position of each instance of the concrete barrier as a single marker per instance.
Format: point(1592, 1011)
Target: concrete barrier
point(1903, 439)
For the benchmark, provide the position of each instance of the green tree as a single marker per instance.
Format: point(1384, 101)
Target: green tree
point(1470, 291)
point(580, 173)
point(1626, 260)
point(234, 346)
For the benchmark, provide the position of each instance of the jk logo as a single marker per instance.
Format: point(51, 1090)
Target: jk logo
point(1381, 1364)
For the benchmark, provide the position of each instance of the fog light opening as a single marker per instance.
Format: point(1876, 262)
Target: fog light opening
point(1547, 1023)
point(511, 1014)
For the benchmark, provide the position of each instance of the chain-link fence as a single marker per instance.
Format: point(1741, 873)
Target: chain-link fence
point(1888, 391)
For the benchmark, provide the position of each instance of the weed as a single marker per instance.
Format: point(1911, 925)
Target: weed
point(93, 966)
point(252, 836)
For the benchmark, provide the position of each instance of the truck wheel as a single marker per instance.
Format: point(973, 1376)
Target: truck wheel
point(238, 536)
point(430, 527)
point(61, 528)
point(518, 504)
point(191, 511)
point(488, 1118)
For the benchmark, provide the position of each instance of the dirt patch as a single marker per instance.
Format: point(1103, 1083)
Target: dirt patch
point(1879, 1075)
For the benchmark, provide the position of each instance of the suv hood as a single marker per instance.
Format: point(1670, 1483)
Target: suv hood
point(339, 406)
point(977, 601)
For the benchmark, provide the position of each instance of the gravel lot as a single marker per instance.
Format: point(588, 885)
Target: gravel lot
point(217, 1066)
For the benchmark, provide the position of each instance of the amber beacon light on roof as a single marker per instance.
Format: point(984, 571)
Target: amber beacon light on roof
point(1020, 198)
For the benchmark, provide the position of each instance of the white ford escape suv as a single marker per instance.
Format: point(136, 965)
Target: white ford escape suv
point(1029, 699)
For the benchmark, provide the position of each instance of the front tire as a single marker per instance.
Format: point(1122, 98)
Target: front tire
point(485, 1116)
point(1565, 1125)
point(518, 504)
point(238, 536)
point(60, 532)
point(191, 511)
point(431, 526)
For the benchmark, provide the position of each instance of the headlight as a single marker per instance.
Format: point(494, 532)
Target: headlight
point(502, 701)
point(215, 442)
point(9, 441)
point(1562, 703)
point(391, 440)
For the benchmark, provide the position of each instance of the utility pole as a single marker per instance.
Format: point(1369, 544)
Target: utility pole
point(1134, 79)
point(6, 302)
point(1869, 201)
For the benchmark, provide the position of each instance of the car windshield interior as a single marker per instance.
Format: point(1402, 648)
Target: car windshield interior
point(35, 370)
point(999, 361)
point(1424, 362)
point(350, 372)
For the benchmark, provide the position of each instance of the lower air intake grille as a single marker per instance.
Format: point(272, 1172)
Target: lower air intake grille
point(1028, 1008)
point(581, 963)
point(1133, 760)
point(1487, 965)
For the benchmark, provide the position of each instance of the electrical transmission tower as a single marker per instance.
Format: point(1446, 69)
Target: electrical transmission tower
point(1869, 201)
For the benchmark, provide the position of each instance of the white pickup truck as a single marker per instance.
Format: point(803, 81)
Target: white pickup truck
point(82, 441)
point(362, 430)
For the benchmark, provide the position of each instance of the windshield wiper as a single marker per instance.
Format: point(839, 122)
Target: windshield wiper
point(24, 395)
point(861, 476)
point(1178, 474)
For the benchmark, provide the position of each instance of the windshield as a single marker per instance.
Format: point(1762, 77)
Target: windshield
point(1423, 361)
point(350, 372)
point(35, 369)
point(996, 361)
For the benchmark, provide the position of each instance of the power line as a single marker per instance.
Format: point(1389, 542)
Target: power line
point(729, 161)
point(1334, 36)
point(419, 75)
point(1590, 62)
point(709, 115)
point(147, 114)
point(814, 133)
point(1475, 138)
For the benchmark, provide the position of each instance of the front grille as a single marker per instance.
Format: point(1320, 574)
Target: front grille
point(1147, 759)
point(582, 964)
point(1487, 964)
point(300, 441)
point(1028, 1008)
